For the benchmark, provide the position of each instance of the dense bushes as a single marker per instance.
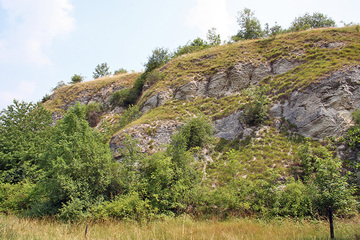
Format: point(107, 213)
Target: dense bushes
point(74, 175)
point(24, 129)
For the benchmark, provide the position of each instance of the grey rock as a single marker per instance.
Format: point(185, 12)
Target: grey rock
point(324, 108)
point(218, 85)
point(281, 66)
point(229, 127)
point(155, 101)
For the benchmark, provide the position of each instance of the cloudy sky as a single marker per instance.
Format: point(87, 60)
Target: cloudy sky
point(43, 42)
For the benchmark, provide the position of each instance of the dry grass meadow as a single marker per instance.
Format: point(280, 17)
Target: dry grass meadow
point(12, 227)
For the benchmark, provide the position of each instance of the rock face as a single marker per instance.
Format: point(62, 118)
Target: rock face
point(324, 108)
point(102, 96)
point(232, 81)
point(229, 127)
point(223, 83)
point(152, 137)
point(156, 100)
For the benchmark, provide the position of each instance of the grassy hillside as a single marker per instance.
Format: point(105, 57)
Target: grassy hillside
point(266, 170)
point(69, 93)
point(322, 50)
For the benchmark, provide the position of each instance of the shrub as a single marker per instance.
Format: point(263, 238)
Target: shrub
point(356, 116)
point(321, 169)
point(120, 71)
point(16, 198)
point(197, 44)
point(129, 115)
point(45, 98)
point(79, 167)
point(118, 98)
point(126, 207)
point(76, 79)
point(197, 132)
point(92, 113)
point(256, 109)
point(159, 57)
point(307, 21)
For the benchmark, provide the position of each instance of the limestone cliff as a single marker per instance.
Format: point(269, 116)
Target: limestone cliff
point(313, 79)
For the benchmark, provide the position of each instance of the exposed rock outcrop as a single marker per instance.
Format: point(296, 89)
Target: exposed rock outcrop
point(324, 108)
point(152, 137)
point(237, 78)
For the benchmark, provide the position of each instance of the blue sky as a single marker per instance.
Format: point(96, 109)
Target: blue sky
point(43, 42)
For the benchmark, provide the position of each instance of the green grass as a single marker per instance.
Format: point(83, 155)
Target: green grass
point(304, 47)
point(183, 227)
point(69, 93)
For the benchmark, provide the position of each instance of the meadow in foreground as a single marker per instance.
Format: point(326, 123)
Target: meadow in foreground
point(183, 227)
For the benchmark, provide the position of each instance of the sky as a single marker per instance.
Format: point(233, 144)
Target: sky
point(43, 42)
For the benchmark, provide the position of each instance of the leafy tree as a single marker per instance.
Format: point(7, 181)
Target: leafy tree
point(273, 31)
point(250, 27)
point(159, 57)
point(120, 71)
point(24, 129)
point(213, 38)
point(322, 170)
point(77, 78)
point(307, 21)
point(101, 70)
point(79, 168)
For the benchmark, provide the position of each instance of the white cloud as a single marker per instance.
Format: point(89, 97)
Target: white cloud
point(211, 13)
point(31, 27)
point(24, 91)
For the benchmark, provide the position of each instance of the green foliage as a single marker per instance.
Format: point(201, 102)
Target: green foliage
point(118, 98)
point(213, 38)
point(197, 132)
point(77, 78)
point(16, 198)
point(273, 31)
point(129, 115)
point(101, 70)
point(154, 77)
point(159, 57)
point(45, 98)
point(250, 27)
point(320, 169)
point(24, 129)
point(127, 207)
point(93, 111)
point(353, 137)
point(356, 116)
point(307, 21)
point(120, 71)
point(295, 199)
point(256, 109)
point(197, 44)
point(79, 168)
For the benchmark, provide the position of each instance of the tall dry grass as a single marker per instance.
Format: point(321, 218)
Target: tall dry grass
point(12, 227)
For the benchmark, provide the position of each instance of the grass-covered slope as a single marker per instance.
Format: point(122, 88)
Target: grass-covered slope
point(103, 87)
point(318, 53)
point(321, 50)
